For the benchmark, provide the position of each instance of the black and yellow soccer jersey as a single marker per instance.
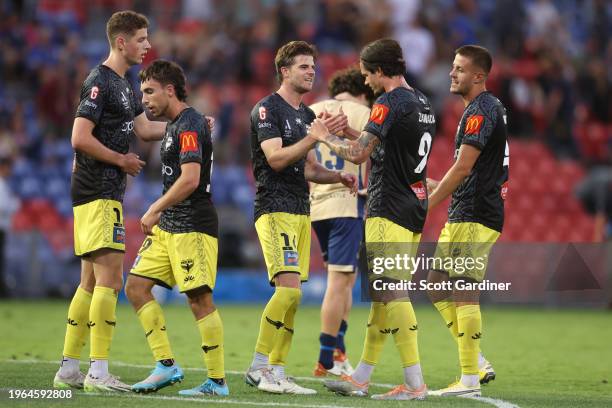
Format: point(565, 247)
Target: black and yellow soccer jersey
point(404, 121)
point(107, 100)
point(480, 198)
point(188, 139)
point(286, 190)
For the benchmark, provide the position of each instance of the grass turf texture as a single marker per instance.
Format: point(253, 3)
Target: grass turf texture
point(543, 358)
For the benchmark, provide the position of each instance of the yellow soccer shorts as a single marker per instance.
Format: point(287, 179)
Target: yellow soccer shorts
point(188, 260)
point(463, 250)
point(98, 224)
point(285, 242)
point(385, 241)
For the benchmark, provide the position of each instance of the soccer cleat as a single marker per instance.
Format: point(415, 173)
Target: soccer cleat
point(71, 381)
point(160, 377)
point(457, 389)
point(321, 371)
point(341, 363)
point(288, 386)
point(110, 383)
point(486, 373)
point(208, 387)
point(347, 386)
point(264, 380)
point(404, 393)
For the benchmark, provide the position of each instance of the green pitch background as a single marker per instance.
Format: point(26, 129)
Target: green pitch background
point(543, 358)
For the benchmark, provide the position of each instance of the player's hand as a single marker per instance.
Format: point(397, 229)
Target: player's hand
point(131, 164)
point(211, 122)
point(318, 130)
point(149, 220)
point(336, 123)
point(349, 180)
point(431, 185)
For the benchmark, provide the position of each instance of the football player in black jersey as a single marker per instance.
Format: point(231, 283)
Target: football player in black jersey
point(182, 249)
point(107, 116)
point(477, 182)
point(283, 163)
point(398, 139)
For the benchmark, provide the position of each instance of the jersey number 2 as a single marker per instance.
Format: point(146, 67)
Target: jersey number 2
point(424, 149)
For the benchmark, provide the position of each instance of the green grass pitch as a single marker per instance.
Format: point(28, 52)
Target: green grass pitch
point(543, 358)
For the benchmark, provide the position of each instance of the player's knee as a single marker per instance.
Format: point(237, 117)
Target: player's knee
point(134, 291)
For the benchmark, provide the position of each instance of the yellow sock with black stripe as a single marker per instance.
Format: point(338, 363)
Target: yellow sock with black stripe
point(102, 321)
point(153, 322)
point(448, 311)
point(402, 322)
point(273, 316)
point(211, 331)
point(470, 330)
point(76, 325)
point(375, 337)
point(279, 353)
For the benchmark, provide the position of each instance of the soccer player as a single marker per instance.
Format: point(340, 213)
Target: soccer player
point(397, 138)
point(283, 163)
point(107, 116)
point(182, 249)
point(477, 181)
point(337, 219)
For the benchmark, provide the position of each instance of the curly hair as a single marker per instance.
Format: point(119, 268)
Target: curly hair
point(166, 73)
point(352, 81)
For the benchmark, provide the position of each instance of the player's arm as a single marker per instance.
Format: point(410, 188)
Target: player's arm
point(183, 187)
point(85, 142)
point(279, 157)
point(462, 168)
point(356, 151)
point(313, 171)
point(149, 130)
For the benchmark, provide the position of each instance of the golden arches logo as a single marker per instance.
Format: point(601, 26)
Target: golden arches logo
point(189, 142)
point(473, 124)
point(379, 113)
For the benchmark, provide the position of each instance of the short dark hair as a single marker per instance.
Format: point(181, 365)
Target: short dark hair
point(124, 22)
point(166, 73)
point(480, 56)
point(385, 54)
point(352, 81)
point(286, 54)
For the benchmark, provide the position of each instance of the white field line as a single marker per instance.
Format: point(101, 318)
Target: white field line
point(493, 401)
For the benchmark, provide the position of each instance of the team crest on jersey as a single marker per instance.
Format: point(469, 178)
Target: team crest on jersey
point(473, 124)
point(291, 258)
point(379, 113)
point(168, 142)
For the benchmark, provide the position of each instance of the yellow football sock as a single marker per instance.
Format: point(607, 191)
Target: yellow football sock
point(448, 311)
point(402, 322)
point(279, 353)
point(153, 322)
point(470, 331)
point(273, 316)
point(76, 327)
point(102, 321)
point(375, 337)
point(211, 331)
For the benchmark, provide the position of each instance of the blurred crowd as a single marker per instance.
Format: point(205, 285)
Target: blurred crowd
point(551, 70)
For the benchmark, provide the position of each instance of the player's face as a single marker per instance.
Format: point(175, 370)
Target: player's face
point(136, 47)
point(301, 74)
point(372, 79)
point(154, 97)
point(463, 75)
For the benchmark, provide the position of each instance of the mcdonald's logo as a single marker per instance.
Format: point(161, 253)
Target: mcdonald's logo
point(379, 113)
point(473, 124)
point(189, 142)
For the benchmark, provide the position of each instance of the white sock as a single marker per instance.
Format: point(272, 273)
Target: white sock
point(259, 361)
point(363, 372)
point(413, 377)
point(481, 360)
point(279, 371)
point(98, 368)
point(69, 365)
point(470, 380)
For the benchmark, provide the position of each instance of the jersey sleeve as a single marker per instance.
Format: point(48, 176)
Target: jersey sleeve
point(191, 136)
point(381, 118)
point(94, 95)
point(265, 121)
point(479, 124)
